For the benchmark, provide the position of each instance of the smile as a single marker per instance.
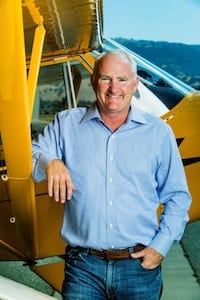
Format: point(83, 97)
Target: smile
point(112, 96)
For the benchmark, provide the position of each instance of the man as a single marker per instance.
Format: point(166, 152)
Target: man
point(114, 164)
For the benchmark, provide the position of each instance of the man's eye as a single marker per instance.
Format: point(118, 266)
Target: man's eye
point(104, 78)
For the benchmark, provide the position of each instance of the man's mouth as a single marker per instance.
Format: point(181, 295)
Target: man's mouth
point(112, 96)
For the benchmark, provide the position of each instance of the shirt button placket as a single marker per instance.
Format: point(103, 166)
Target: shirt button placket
point(109, 190)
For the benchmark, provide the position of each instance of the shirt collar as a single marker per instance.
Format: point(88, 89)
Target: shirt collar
point(135, 115)
point(91, 113)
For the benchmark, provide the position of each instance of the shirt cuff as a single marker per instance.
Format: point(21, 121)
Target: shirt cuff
point(161, 243)
point(44, 161)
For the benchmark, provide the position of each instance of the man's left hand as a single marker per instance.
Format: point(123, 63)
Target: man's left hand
point(151, 257)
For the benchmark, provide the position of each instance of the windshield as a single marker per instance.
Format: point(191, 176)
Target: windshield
point(167, 88)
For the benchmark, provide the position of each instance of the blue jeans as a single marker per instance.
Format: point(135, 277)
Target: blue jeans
point(88, 277)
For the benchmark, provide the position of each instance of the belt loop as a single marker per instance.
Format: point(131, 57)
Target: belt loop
point(131, 250)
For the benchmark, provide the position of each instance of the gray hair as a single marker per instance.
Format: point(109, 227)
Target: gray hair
point(123, 55)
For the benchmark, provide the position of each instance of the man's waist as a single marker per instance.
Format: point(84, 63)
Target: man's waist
point(116, 254)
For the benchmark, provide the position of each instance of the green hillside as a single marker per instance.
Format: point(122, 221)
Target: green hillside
point(180, 60)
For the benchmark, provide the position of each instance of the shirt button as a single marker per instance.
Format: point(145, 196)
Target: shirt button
point(111, 202)
point(111, 157)
point(111, 225)
point(112, 246)
point(110, 179)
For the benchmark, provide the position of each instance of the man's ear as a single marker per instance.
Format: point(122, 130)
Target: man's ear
point(137, 80)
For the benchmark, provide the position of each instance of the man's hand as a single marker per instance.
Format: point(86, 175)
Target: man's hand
point(60, 185)
point(151, 257)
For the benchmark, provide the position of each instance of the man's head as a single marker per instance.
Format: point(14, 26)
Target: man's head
point(118, 53)
point(114, 81)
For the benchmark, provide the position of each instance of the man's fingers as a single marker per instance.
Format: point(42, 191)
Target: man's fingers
point(63, 193)
point(56, 190)
point(60, 185)
point(151, 258)
point(138, 254)
point(53, 188)
point(61, 188)
point(70, 190)
point(50, 187)
point(66, 187)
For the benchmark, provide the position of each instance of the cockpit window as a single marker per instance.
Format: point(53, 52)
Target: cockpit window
point(160, 87)
point(60, 87)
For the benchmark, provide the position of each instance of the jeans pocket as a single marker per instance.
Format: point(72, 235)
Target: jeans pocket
point(140, 260)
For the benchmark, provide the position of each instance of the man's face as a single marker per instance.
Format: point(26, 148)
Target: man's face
point(115, 85)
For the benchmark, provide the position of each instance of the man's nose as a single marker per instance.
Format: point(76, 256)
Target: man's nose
point(113, 85)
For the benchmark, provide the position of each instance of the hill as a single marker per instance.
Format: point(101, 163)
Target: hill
point(180, 60)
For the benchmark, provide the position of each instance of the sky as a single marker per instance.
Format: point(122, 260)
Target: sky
point(156, 20)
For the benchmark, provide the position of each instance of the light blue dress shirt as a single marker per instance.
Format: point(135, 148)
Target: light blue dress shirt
point(121, 177)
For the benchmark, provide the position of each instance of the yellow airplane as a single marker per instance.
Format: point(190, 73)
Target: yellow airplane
point(47, 53)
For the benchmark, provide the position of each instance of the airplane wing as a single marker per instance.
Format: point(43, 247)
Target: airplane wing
point(72, 27)
point(12, 290)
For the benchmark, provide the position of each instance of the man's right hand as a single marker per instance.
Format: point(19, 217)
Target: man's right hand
point(60, 185)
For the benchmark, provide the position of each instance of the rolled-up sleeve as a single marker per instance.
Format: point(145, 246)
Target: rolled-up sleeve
point(45, 149)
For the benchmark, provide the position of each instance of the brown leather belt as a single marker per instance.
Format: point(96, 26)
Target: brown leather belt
point(117, 254)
